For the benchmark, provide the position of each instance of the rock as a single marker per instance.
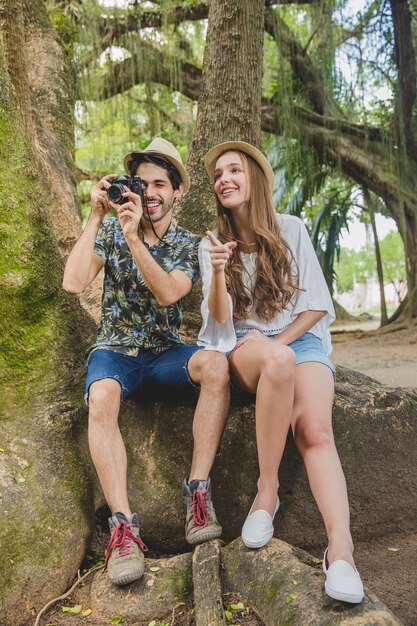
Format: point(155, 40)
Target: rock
point(284, 585)
point(375, 429)
point(152, 597)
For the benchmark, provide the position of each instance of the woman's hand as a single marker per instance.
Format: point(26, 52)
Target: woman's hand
point(130, 213)
point(220, 253)
point(252, 335)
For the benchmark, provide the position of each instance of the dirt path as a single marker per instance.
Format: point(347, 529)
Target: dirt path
point(389, 357)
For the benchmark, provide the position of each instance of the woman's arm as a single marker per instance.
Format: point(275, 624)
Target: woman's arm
point(218, 301)
point(302, 324)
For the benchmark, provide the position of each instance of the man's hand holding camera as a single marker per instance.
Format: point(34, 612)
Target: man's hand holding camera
point(130, 213)
point(100, 204)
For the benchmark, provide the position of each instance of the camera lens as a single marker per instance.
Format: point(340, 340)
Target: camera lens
point(115, 192)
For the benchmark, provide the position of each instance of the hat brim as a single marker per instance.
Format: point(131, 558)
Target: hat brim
point(242, 146)
point(178, 166)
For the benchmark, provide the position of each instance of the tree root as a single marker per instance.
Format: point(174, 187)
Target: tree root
point(95, 568)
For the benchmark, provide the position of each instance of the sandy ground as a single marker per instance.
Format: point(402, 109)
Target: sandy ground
point(389, 357)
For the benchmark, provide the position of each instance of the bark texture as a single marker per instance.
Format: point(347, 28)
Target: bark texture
point(229, 105)
point(45, 503)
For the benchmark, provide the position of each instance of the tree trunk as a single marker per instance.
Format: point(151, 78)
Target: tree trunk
point(229, 106)
point(379, 268)
point(45, 507)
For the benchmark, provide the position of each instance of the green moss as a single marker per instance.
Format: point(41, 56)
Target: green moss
point(182, 584)
point(272, 590)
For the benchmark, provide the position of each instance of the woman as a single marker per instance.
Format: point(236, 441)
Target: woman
point(267, 306)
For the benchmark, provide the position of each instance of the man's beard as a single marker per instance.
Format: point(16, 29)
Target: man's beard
point(149, 218)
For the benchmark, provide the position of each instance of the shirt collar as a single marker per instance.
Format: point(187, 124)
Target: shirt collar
point(172, 232)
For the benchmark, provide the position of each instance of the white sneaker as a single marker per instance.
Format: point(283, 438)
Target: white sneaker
point(258, 528)
point(343, 581)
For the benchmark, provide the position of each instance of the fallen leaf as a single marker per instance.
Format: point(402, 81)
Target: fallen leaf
point(290, 598)
point(154, 568)
point(72, 609)
point(152, 623)
point(228, 615)
point(237, 606)
point(116, 620)
point(393, 549)
point(19, 480)
point(294, 581)
point(86, 612)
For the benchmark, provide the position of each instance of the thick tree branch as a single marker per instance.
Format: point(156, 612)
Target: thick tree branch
point(302, 66)
point(157, 68)
point(111, 28)
point(405, 60)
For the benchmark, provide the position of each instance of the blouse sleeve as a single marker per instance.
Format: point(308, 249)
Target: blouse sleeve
point(213, 335)
point(315, 295)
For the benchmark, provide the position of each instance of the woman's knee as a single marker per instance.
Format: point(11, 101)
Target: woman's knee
point(312, 433)
point(278, 362)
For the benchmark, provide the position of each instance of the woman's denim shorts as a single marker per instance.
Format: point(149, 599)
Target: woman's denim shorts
point(308, 348)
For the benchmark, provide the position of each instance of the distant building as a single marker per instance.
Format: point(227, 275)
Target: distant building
point(366, 296)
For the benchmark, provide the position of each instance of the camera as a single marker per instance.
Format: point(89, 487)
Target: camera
point(116, 190)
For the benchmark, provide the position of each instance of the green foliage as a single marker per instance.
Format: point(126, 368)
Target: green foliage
point(358, 266)
point(350, 51)
point(63, 18)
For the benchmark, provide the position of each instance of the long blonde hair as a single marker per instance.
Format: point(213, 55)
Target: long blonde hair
point(276, 282)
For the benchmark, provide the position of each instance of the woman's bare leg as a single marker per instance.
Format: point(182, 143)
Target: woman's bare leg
point(266, 368)
point(313, 435)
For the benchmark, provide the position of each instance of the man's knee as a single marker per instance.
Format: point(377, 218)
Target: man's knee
point(104, 397)
point(212, 368)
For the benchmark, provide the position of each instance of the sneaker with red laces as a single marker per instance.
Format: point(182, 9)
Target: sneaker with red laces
point(125, 561)
point(201, 522)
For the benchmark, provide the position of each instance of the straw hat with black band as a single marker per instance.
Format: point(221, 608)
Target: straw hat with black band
point(161, 147)
point(214, 153)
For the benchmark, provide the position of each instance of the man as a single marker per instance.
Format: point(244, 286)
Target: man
point(150, 265)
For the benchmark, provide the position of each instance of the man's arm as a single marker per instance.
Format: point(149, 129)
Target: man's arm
point(83, 264)
point(167, 287)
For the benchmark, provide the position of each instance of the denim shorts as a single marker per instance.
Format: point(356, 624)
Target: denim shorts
point(145, 372)
point(309, 348)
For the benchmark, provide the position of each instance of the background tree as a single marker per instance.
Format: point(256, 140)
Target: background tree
point(46, 511)
point(334, 124)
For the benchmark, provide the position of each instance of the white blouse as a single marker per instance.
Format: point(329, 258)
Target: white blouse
point(315, 297)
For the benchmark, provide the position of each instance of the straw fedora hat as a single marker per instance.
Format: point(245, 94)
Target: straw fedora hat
point(162, 147)
point(214, 153)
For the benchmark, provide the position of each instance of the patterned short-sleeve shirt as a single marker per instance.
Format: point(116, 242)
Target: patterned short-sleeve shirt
point(132, 319)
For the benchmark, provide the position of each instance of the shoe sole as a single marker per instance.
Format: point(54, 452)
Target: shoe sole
point(203, 538)
point(343, 597)
point(255, 545)
point(126, 580)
